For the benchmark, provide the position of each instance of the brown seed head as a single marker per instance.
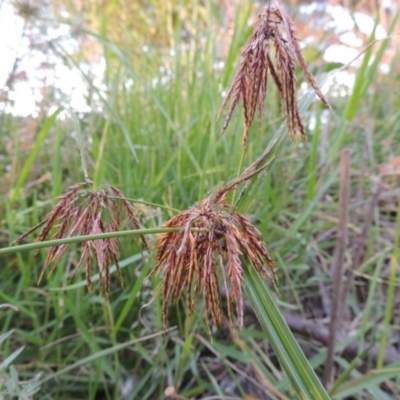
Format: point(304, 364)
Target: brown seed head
point(272, 48)
point(88, 213)
point(207, 249)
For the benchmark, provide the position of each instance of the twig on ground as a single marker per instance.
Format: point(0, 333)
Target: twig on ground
point(320, 333)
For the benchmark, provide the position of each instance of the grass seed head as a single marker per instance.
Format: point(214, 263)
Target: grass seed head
point(272, 48)
point(207, 249)
point(87, 213)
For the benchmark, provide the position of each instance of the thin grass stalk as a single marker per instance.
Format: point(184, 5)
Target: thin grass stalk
point(239, 171)
point(99, 166)
point(394, 259)
point(81, 144)
point(346, 373)
point(368, 381)
point(102, 353)
point(110, 323)
point(147, 203)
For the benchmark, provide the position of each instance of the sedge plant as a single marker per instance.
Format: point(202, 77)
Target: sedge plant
point(212, 247)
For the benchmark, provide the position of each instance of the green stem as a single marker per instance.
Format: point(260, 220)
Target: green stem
point(80, 144)
point(98, 170)
point(390, 301)
point(84, 238)
point(147, 203)
point(238, 174)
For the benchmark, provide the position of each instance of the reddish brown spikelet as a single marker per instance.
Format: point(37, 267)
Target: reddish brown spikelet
point(273, 30)
point(209, 245)
point(88, 213)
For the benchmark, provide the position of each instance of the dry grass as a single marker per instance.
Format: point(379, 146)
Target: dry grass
point(87, 213)
point(272, 48)
point(208, 247)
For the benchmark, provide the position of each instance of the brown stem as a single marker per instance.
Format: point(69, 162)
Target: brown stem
point(334, 325)
point(360, 245)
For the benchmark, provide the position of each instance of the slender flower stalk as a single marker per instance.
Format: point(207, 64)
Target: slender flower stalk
point(209, 260)
point(273, 49)
point(87, 213)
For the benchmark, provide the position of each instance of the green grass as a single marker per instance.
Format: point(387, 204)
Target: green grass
point(159, 141)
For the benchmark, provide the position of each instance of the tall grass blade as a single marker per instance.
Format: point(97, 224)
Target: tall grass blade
point(11, 358)
point(32, 156)
point(100, 354)
point(5, 336)
point(81, 144)
point(391, 294)
point(360, 86)
point(367, 72)
point(291, 357)
point(368, 381)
